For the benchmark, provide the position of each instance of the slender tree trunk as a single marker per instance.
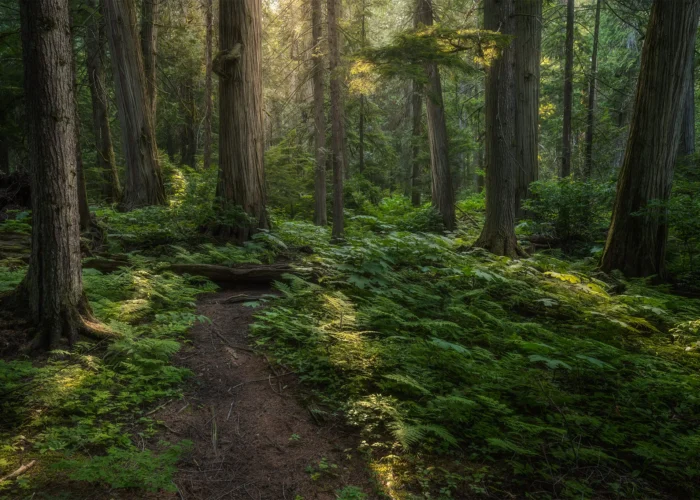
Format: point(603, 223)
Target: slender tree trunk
point(320, 212)
point(636, 242)
point(593, 80)
point(241, 138)
point(53, 286)
point(528, 48)
point(363, 36)
point(442, 188)
point(144, 181)
point(149, 43)
point(568, 91)
point(95, 40)
point(686, 147)
point(188, 137)
point(208, 87)
point(416, 136)
point(498, 234)
point(337, 124)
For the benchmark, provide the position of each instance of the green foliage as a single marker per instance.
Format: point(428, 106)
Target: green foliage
point(350, 493)
point(289, 171)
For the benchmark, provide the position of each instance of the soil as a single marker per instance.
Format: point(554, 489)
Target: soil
point(253, 435)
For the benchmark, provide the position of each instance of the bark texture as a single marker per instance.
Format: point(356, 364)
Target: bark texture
point(593, 80)
point(320, 213)
point(149, 44)
point(636, 242)
point(208, 86)
point(95, 41)
point(528, 48)
point(144, 181)
point(337, 121)
point(498, 233)
point(53, 285)
point(442, 189)
point(241, 181)
point(568, 91)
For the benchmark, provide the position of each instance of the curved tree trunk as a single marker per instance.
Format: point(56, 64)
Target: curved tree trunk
point(149, 42)
point(144, 181)
point(498, 233)
point(208, 105)
point(53, 285)
point(590, 119)
point(241, 182)
point(337, 124)
point(95, 40)
point(442, 189)
point(528, 48)
point(568, 91)
point(636, 242)
point(320, 213)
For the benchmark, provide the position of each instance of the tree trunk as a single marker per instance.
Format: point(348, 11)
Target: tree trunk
point(320, 212)
point(590, 120)
point(416, 136)
point(208, 87)
point(188, 136)
point(337, 124)
point(636, 242)
point(241, 182)
point(144, 181)
point(498, 233)
point(149, 42)
point(4, 157)
point(568, 91)
point(53, 286)
point(528, 48)
point(686, 146)
point(442, 189)
point(363, 36)
point(95, 40)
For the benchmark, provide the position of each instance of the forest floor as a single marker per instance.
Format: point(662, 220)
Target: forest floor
point(253, 436)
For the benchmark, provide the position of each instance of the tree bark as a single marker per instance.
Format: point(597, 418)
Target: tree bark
point(241, 182)
point(636, 242)
point(528, 48)
point(149, 43)
point(208, 87)
point(498, 233)
point(337, 124)
point(442, 189)
point(363, 36)
point(568, 91)
point(53, 286)
point(320, 212)
point(95, 40)
point(593, 80)
point(416, 136)
point(144, 181)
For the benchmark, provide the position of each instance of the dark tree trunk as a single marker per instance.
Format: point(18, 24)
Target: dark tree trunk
point(208, 87)
point(590, 119)
point(241, 182)
point(144, 181)
point(149, 43)
point(686, 146)
point(337, 124)
point(95, 40)
point(636, 242)
point(416, 136)
point(498, 234)
point(53, 286)
point(442, 189)
point(568, 91)
point(4, 158)
point(320, 212)
point(528, 43)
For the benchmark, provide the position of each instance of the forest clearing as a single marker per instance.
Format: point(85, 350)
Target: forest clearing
point(349, 249)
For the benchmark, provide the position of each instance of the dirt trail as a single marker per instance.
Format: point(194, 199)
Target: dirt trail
point(253, 438)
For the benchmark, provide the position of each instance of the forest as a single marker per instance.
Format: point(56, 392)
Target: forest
point(349, 249)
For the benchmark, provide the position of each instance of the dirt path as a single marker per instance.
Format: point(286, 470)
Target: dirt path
point(253, 438)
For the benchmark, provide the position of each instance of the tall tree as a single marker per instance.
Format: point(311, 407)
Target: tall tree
point(498, 233)
point(241, 183)
point(95, 41)
point(208, 86)
point(337, 123)
point(636, 242)
point(568, 91)
point(363, 42)
point(442, 189)
point(686, 147)
point(416, 134)
point(149, 43)
point(592, 82)
point(320, 212)
point(528, 49)
point(53, 286)
point(144, 181)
